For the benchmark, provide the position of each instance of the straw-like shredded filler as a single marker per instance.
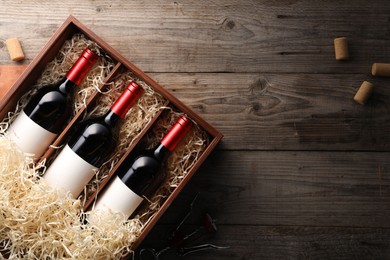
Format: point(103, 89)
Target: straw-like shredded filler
point(36, 221)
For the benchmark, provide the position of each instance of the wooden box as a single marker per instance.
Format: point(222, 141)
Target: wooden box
point(70, 27)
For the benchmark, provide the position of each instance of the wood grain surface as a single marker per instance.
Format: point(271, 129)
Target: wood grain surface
point(302, 171)
point(8, 75)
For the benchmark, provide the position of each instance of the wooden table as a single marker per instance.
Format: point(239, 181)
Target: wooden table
point(303, 171)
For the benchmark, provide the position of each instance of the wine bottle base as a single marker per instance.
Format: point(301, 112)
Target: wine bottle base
point(69, 172)
point(118, 198)
point(30, 137)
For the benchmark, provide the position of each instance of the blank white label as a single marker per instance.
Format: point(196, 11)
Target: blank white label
point(29, 136)
point(119, 198)
point(69, 172)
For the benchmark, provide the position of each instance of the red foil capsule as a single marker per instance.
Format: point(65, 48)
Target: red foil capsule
point(129, 96)
point(177, 133)
point(81, 67)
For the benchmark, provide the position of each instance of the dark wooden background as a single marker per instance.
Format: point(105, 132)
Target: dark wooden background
point(302, 172)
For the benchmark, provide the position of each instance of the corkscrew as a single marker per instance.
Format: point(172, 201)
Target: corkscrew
point(180, 241)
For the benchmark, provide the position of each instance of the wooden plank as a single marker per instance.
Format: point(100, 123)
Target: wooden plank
point(296, 242)
point(220, 36)
point(291, 188)
point(287, 111)
point(8, 75)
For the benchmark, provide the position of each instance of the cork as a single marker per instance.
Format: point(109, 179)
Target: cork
point(341, 48)
point(363, 93)
point(14, 49)
point(381, 69)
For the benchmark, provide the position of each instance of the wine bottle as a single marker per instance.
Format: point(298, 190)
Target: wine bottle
point(135, 177)
point(90, 146)
point(47, 112)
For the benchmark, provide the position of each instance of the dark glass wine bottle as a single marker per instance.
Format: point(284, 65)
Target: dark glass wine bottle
point(137, 177)
point(89, 147)
point(47, 112)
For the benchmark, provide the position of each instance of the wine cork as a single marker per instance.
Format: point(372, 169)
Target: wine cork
point(363, 93)
point(341, 48)
point(381, 69)
point(14, 49)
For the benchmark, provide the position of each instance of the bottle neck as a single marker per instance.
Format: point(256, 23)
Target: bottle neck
point(122, 105)
point(112, 119)
point(66, 86)
point(82, 66)
point(161, 153)
point(127, 99)
point(177, 132)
